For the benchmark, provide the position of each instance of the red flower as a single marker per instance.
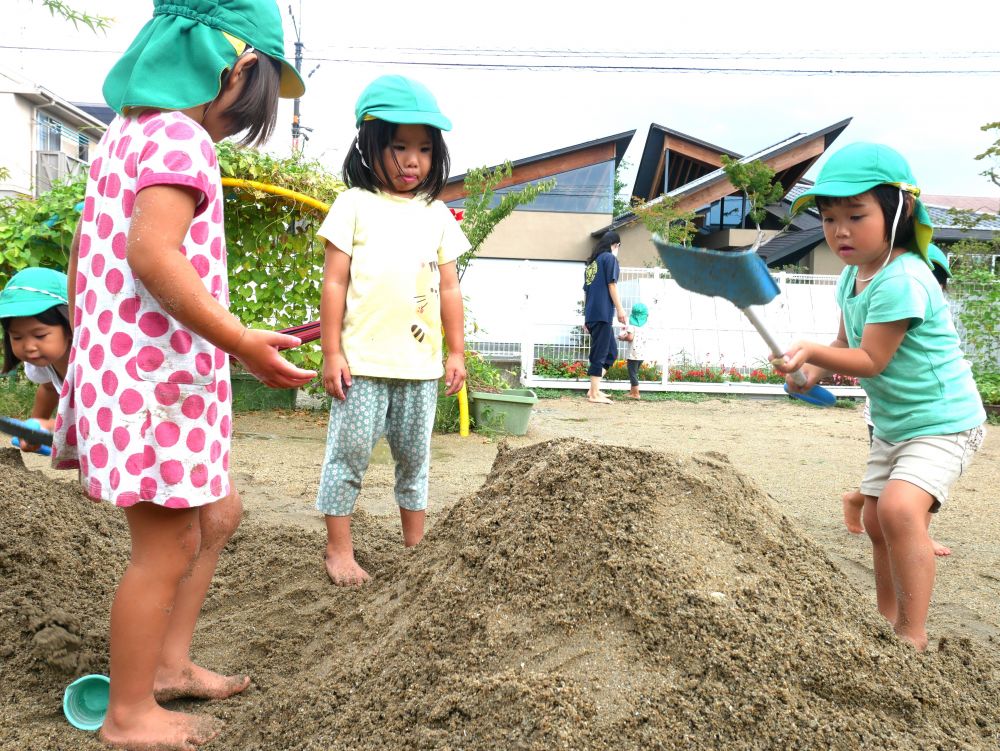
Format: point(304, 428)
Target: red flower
point(459, 214)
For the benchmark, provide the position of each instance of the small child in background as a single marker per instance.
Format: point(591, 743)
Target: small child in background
point(389, 283)
point(635, 334)
point(34, 313)
point(853, 500)
point(897, 336)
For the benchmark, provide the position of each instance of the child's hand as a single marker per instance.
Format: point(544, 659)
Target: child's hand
point(258, 351)
point(336, 376)
point(792, 360)
point(454, 373)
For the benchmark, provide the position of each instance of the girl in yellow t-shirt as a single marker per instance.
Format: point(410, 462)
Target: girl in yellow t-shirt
point(389, 284)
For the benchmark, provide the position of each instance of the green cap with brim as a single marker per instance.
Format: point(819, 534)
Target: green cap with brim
point(858, 168)
point(937, 257)
point(178, 58)
point(33, 291)
point(401, 100)
point(639, 314)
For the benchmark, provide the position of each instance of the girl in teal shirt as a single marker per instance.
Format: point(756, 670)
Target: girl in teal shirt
point(896, 335)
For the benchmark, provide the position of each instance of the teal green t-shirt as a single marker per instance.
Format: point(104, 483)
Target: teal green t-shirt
point(927, 388)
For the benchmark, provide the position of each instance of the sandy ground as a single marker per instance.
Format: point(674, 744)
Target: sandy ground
point(804, 457)
point(653, 575)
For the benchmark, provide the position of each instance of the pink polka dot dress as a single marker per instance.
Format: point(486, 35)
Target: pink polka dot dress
point(144, 412)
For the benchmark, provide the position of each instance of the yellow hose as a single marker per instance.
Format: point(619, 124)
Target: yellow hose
point(235, 182)
point(463, 412)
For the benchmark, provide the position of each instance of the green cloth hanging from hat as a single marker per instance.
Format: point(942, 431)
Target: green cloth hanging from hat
point(177, 59)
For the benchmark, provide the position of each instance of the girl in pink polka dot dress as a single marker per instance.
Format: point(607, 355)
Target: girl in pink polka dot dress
point(144, 412)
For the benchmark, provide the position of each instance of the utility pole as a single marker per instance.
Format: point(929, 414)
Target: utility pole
point(296, 130)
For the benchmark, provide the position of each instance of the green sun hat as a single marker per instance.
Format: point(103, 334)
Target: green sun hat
point(401, 100)
point(937, 257)
point(639, 314)
point(859, 167)
point(176, 60)
point(32, 291)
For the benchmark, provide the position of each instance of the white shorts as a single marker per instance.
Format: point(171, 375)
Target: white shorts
point(931, 462)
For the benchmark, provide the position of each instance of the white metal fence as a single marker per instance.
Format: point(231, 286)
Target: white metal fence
point(521, 311)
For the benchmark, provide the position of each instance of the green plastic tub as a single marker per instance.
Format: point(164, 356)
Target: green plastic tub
point(506, 412)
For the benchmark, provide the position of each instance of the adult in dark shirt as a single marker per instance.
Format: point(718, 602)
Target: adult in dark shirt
point(600, 285)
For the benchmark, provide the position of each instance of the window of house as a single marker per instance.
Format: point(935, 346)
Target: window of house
point(83, 149)
point(726, 212)
point(49, 133)
point(586, 190)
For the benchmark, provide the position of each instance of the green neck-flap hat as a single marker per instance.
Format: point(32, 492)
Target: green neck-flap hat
point(936, 257)
point(858, 168)
point(32, 291)
point(177, 59)
point(401, 100)
point(639, 314)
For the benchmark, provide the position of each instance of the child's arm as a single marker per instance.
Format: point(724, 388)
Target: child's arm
point(46, 401)
point(333, 303)
point(879, 342)
point(74, 257)
point(161, 217)
point(453, 320)
point(613, 291)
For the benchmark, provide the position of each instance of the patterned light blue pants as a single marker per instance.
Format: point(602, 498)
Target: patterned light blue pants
point(402, 411)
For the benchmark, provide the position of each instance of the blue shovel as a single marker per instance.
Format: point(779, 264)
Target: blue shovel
point(28, 430)
point(742, 278)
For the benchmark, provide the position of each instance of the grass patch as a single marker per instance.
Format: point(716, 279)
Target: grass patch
point(647, 396)
point(17, 395)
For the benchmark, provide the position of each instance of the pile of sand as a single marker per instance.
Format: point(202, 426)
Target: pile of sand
point(587, 597)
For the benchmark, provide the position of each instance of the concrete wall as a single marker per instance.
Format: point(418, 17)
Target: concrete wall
point(544, 236)
point(17, 147)
point(822, 260)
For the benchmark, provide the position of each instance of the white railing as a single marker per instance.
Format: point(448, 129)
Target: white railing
point(528, 310)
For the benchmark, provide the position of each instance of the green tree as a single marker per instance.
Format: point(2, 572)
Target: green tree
point(94, 23)
point(993, 154)
point(756, 180)
point(275, 258)
point(621, 202)
point(480, 216)
point(39, 231)
point(662, 217)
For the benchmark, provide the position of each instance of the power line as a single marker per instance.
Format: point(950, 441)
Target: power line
point(621, 67)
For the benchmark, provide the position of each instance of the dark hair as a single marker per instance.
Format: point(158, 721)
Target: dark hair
point(887, 197)
point(256, 111)
point(608, 239)
point(940, 274)
point(366, 151)
point(57, 315)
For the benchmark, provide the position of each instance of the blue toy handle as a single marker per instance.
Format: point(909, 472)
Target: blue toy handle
point(816, 395)
point(32, 423)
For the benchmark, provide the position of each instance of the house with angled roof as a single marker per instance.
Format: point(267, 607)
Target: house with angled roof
point(46, 138)
point(558, 224)
point(689, 171)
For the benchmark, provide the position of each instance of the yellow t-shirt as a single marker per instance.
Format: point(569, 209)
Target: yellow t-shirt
point(392, 324)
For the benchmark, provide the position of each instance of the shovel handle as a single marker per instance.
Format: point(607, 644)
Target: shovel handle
point(30, 430)
point(817, 394)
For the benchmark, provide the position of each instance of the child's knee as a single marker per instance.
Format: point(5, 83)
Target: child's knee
point(220, 520)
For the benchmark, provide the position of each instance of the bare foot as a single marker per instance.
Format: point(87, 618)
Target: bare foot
point(854, 503)
point(918, 641)
point(194, 682)
point(344, 571)
point(939, 549)
point(158, 729)
point(599, 398)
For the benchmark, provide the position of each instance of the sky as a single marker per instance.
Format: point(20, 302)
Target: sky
point(521, 78)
